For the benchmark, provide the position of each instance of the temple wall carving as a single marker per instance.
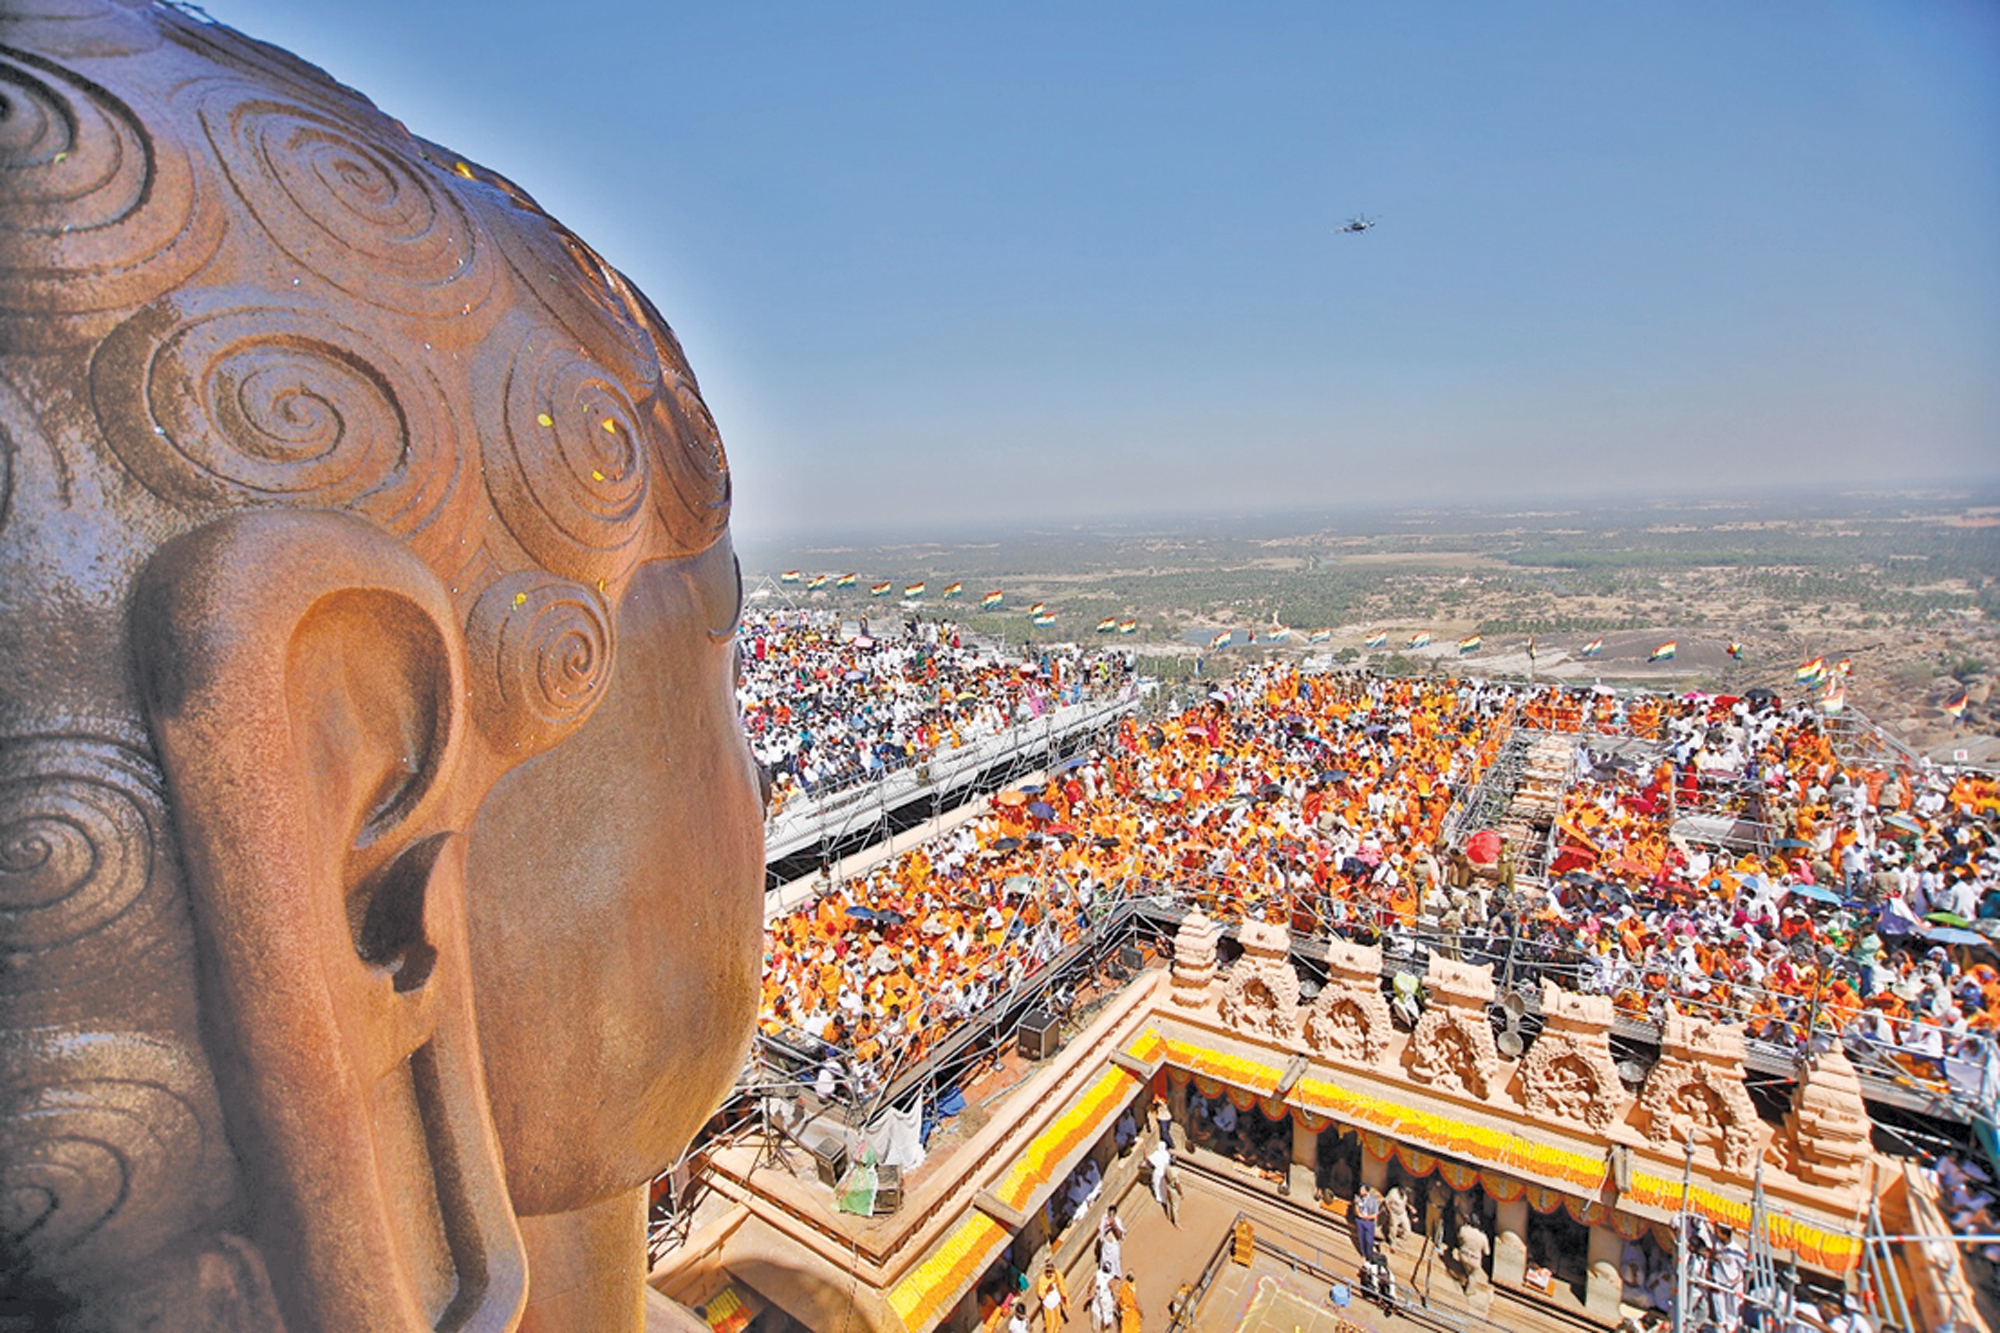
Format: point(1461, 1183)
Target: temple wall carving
point(1262, 998)
point(1696, 1091)
point(1568, 1074)
point(1452, 1048)
point(1567, 1079)
point(1349, 1024)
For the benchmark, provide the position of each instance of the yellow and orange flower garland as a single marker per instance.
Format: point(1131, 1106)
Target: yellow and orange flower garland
point(919, 1300)
point(1036, 1164)
point(1316, 1101)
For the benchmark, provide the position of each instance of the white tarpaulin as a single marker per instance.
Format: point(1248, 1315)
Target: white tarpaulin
point(897, 1137)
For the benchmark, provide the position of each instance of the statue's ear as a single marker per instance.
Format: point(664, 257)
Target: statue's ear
point(305, 680)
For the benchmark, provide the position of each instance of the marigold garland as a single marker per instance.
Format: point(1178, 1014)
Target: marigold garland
point(919, 1299)
point(1261, 1079)
point(1036, 1164)
point(1316, 1101)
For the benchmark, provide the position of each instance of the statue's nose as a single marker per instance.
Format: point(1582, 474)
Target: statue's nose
point(764, 782)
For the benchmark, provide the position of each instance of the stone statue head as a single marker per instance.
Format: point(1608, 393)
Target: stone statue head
point(379, 850)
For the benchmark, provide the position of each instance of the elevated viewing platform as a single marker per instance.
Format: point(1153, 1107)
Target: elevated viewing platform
point(946, 777)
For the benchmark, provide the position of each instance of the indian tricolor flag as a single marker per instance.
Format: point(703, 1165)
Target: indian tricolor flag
point(789, 576)
point(1320, 636)
point(1956, 708)
point(991, 600)
point(1592, 649)
point(1808, 673)
point(846, 580)
point(1044, 619)
point(1037, 609)
point(1222, 639)
point(1379, 639)
point(1665, 652)
point(815, 583)
point(913, 590)
point(1421, 639)
point(1128, 627)
point(879, 589)
point(952, 590)
point(1468, 645)
point(1107, 625)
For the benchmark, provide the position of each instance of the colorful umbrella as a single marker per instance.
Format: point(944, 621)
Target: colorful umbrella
point(1483, 848)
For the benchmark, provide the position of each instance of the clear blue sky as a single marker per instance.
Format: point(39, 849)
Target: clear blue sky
point(944, 262)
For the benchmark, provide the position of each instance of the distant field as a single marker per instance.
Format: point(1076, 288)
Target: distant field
point(1907, 588)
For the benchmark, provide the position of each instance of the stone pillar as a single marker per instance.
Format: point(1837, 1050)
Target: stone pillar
point(1305, 1160)
point(1035, 1240)
point(1374, 1170)
point(1510, 1243)
point(1605, 1288)
point(1177, 1098)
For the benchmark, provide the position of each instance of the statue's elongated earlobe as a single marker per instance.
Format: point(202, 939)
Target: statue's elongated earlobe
point(305, 679)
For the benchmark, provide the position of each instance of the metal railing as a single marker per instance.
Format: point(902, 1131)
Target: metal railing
point(825, 819)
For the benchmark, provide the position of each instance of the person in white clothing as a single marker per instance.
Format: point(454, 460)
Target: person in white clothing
point(1111, 1241)
point(1166, 1181)
point(1727, 1268)
point(1104, 1300)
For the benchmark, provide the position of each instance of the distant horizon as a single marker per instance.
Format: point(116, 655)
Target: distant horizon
point(1824, 501)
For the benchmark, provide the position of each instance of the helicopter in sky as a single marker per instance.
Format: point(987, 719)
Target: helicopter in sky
point(1355, 225)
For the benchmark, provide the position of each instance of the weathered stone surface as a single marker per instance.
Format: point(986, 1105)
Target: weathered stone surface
point(1194, 959)
point(1349, 1019)
point(368, 608)
point(1828, 1128)
point(1262, 998)
point(1696, 1090)
point(1568, 1074)
point(1452, 1048)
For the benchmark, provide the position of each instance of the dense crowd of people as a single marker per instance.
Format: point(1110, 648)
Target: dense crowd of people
point(1281, 794)
point(1848, 905)
point(828, 707)
point(1847, 898)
